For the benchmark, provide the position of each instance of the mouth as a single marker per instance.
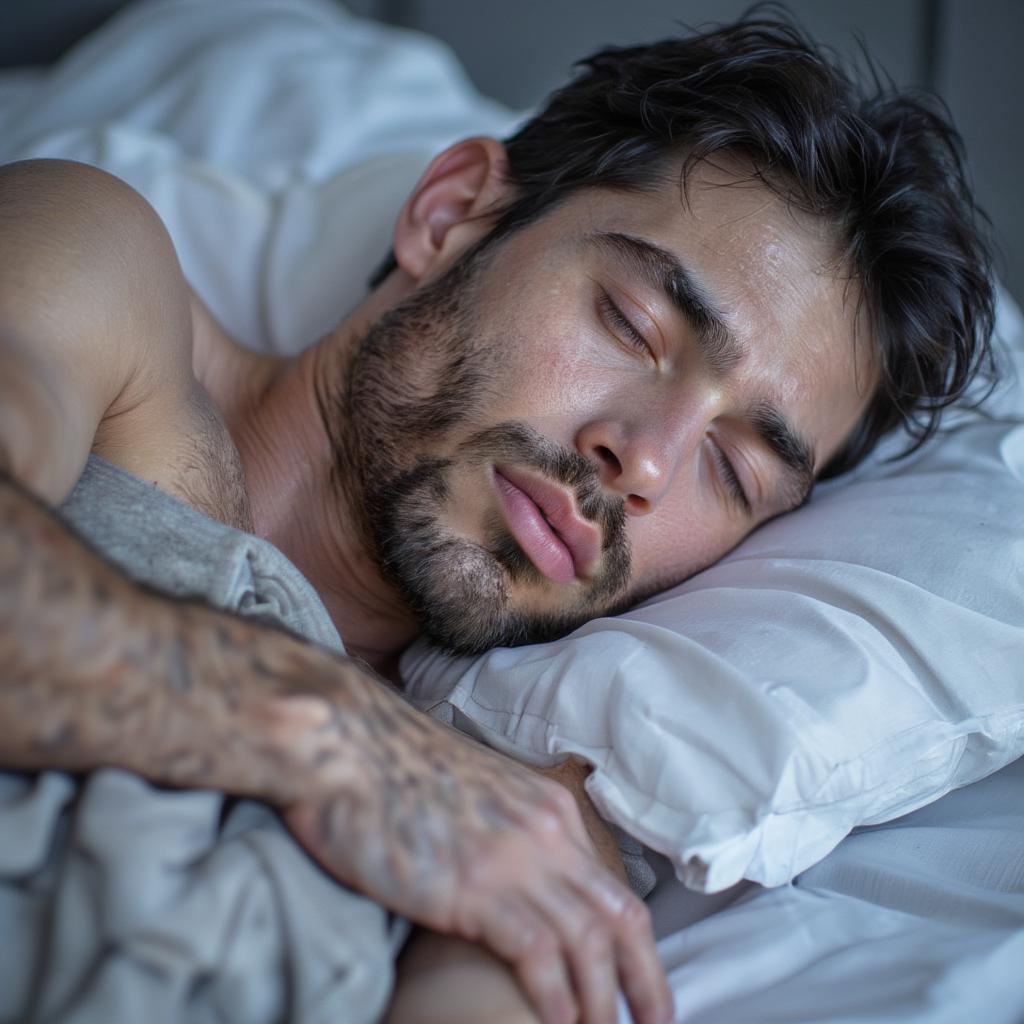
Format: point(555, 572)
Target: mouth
point(542, 517)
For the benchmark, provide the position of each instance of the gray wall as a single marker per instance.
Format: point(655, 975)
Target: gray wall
point(981, 76)
point(37, 31)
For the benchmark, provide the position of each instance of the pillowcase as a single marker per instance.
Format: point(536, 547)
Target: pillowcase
point(846, 664)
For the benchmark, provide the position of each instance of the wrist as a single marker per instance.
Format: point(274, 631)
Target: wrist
point(302, 719)
point(295, 740)
point(231, 704)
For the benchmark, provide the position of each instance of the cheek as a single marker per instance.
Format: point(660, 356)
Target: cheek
point(680, 538)
point(548, 379)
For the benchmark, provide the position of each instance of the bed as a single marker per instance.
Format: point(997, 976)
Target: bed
point(828, 873)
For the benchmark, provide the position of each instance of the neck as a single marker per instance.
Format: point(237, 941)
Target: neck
point(304, 503)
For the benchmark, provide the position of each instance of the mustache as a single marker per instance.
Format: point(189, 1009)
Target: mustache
point(515, 442)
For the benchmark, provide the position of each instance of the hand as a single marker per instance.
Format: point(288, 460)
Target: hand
point(467, 842)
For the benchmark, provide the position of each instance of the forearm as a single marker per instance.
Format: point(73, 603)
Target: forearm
point(443, 979)
point(95, 670)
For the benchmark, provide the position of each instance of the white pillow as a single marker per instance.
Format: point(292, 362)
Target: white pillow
point(846, 664)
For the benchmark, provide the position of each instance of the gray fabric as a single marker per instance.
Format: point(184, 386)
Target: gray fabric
point(120, 901)
point(160, 541)
point(639, 873)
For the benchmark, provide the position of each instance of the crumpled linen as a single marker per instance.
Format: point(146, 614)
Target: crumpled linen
point(125, 901)
point(121, 901)
point(277, 140)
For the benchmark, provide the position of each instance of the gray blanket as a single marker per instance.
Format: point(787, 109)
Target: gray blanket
point(120, 901)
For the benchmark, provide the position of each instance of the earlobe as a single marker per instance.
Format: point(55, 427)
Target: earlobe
point(448, 209)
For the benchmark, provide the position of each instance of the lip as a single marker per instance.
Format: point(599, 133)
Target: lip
point(543, 518)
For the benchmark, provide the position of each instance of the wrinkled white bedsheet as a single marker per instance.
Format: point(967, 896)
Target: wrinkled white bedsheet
point(920, 919)
point(242, 123)
point(236, 119)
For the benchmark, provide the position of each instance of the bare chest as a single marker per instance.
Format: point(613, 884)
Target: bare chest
point(179, 443)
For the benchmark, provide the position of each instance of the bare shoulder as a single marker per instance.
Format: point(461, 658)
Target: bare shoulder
point(79, 240)
point(95, 315)
point(81, 192)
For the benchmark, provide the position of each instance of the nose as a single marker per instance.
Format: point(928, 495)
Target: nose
point(640, 455)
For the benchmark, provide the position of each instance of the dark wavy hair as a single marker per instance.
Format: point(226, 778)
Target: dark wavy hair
point(884, 167)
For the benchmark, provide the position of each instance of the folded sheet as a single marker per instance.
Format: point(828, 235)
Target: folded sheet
point(919, 920)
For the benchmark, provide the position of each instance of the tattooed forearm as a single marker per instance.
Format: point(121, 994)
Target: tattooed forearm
point(95, 670)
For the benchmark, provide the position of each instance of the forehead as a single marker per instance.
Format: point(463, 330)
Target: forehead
point(775, 274)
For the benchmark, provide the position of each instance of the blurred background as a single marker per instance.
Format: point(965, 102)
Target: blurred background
point(969, 51)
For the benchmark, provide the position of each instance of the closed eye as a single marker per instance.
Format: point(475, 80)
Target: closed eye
point(616, 319)
point(730, 479)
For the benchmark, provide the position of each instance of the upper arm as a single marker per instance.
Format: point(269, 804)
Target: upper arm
point(93, 307)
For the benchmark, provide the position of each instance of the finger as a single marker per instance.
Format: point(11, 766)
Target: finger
point(589, 946)
point(596, 884)
point(639, 966)
point(543, 974)
point(519, 935)
point(566, 815)
point(640, 970)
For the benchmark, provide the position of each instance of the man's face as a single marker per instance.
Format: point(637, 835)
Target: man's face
point(601, 405)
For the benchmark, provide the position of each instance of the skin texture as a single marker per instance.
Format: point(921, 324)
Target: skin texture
point(104, 348)
point(455, 837)
point(650, 421)
point(98, 671)
point(445, 979)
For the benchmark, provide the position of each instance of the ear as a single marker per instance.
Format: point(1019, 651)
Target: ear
point(447, 210)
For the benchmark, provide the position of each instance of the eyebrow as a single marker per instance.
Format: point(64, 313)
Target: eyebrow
point(663, 271)
point(794, 451)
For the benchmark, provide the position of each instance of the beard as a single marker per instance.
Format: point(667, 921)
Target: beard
point(420, 376)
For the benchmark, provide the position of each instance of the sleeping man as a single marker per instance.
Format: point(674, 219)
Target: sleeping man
point(707, 273)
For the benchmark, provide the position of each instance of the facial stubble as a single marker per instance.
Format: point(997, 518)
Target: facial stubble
point(420, 375)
